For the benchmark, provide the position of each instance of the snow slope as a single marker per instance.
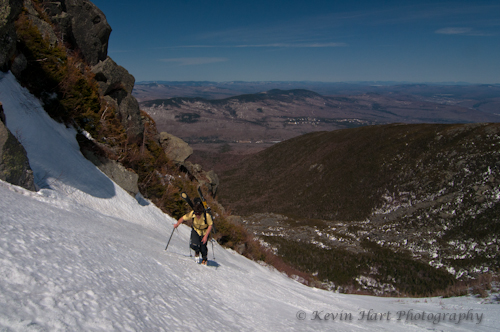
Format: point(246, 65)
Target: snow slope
point(82, 255)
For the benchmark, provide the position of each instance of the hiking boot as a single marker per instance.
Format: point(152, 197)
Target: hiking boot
point(197, 257)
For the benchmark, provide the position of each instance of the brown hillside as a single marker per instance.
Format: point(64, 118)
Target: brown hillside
point(337, 175)
point(389, 209)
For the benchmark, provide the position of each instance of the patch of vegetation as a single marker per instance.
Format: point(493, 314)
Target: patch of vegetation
point(224, 148)
point(342, 267)
point(59, 78)
point(345, 188)
point(248, 98)
point(231, 111)
point(379, 108)
point(188, 117)
point(173, 102)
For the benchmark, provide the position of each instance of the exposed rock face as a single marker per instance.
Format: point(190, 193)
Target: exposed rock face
point(83, 25)
point(175, 148)
point(9, 10)
point(112, 77)
point(19, 61)
point(178, 151)
point(80, 24)
point(14, 165)
point(115, 171)
point(116, 84)
point(209, 179)
point(43, 26)
point(212, 181)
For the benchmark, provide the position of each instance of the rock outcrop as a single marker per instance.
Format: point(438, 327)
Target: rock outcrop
point(176, 149)
point(43, 26)
point(14, 164)
point(116, 84)
point(209, 179)
point(9, 10)
point(115, 171)
point(83, 26)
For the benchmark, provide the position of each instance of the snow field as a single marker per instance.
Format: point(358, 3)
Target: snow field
point(82, 255)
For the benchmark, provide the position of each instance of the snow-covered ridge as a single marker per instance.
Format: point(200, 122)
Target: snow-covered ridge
point(82, 255)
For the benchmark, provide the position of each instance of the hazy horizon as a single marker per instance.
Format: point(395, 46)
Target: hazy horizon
point(388, 83)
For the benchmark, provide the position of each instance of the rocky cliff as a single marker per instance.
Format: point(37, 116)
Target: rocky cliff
point(59, 51)
point(9, 10)
point(84, 31)
point(83, 28)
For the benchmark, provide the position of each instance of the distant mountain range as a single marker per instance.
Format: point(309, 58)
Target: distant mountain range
point(217, 90)
point(264, 118)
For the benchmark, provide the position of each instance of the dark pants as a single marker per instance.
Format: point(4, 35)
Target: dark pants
point(196, 244)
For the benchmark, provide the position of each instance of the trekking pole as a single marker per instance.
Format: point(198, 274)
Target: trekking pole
point(170, 238)
point(213, 252)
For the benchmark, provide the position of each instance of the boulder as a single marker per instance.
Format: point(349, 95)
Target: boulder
point(175, 148)
point(111, 77)
point(9, 10)
point(212, 182)
point(209, 179)
point(116, 84)
point(178, 151)
point(14, 164)
point(83, 26)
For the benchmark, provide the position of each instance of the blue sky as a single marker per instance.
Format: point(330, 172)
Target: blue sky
point(315, 40)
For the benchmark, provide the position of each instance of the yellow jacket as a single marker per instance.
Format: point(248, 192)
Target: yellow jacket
point(199, 224)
